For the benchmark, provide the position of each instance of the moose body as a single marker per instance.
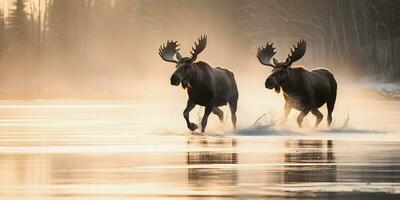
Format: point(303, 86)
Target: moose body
point(303, 90)
point(206, 86)
point(214, 86)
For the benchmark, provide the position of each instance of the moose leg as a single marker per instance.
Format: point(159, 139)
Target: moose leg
point(286, 111)
point(330, 105)
point(233, 107)
point(329, 118)
point(207, 113)
point(319, 116)
point(219, 113)
point(190, 105)
point(301, 116)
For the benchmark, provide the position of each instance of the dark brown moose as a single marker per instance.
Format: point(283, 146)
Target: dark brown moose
point(206, 86)
point(303, 90)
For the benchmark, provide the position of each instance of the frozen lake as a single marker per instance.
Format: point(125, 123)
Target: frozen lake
point(133, 150)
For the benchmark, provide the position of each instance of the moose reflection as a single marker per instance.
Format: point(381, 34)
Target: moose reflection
point(201, 175)
point(206, 86)
point(303, 90)
point(319, 153)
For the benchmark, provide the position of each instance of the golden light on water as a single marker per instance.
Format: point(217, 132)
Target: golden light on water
point(137, 149)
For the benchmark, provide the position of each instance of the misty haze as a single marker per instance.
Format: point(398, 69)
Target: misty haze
point(91, 107)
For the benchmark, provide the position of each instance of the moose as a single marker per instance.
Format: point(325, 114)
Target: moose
point(303, 90)
point(206, 86)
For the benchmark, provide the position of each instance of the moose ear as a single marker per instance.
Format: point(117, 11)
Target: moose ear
point(178, 56)
point(275, 61)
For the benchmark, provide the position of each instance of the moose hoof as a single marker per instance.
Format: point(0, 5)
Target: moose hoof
point(193, 126)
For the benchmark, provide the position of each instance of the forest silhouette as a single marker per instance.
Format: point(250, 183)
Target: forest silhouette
point(106, 48)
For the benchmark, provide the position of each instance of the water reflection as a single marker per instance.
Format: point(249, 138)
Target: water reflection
point(111, 152)
point(222, 167)
point(203, 166)
point(316, 152)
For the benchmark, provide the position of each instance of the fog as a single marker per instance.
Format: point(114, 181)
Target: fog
point(88, 112)
point(104, 49)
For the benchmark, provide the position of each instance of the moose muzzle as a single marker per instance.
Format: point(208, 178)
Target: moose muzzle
point(175, 80)
point(270, 83)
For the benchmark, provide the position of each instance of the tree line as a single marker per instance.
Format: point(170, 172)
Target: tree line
point(352, 35)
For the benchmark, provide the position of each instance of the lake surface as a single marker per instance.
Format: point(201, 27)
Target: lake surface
point(132, 150)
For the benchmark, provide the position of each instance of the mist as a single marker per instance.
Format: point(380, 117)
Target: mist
point(107, 49)
point(88, 111)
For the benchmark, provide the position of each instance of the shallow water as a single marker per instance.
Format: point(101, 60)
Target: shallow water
point(117, 150)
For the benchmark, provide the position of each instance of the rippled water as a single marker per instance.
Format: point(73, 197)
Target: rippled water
point(103, 150)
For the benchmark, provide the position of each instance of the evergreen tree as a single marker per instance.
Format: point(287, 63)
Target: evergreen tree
point(18, 33)
point(2, 31)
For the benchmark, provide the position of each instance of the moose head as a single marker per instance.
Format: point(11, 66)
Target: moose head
point(184, 65)
point(280, 70)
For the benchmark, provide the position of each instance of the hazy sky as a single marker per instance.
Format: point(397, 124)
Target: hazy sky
point(111, 46)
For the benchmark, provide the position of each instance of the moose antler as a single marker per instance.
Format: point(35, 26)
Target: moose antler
point(168, 51)
point(199, 47)
point(265, 54)
point(298, 52)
